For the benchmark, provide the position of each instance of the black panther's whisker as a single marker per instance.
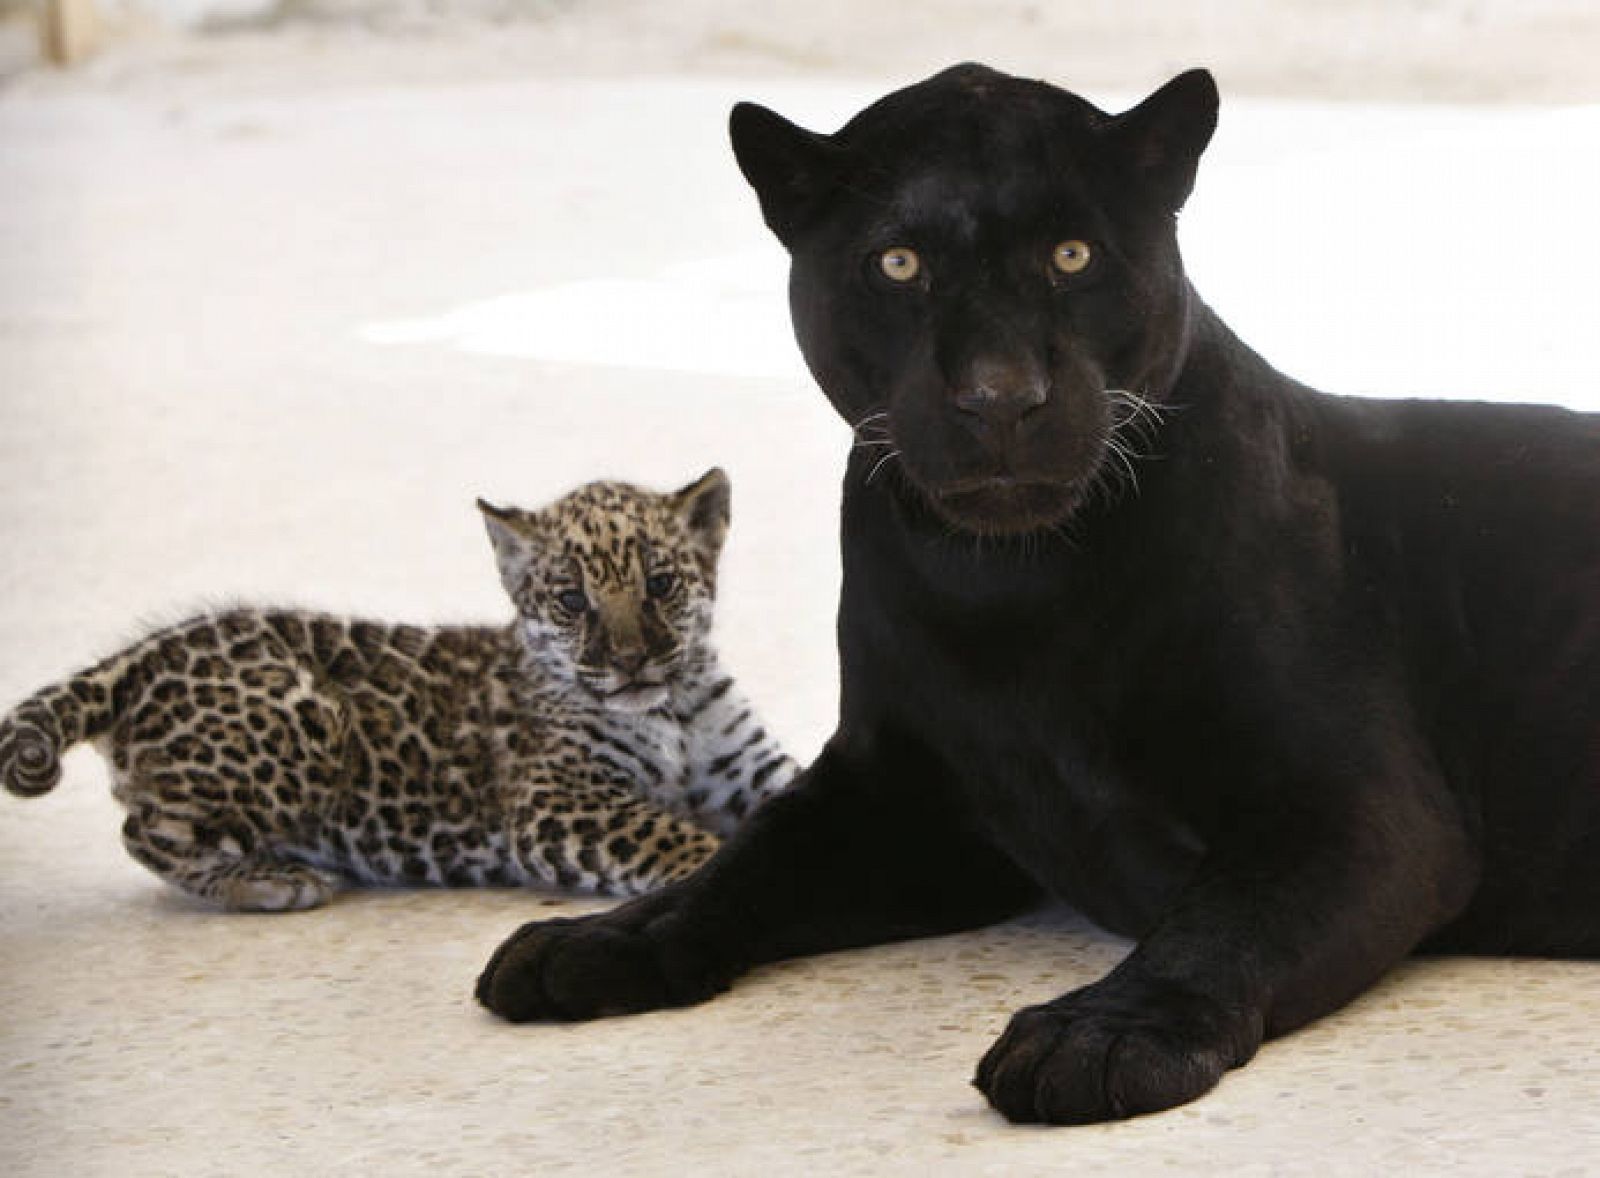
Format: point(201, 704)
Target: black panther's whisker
point(872, 429)
point(1142, 417)
point(1125, 457)
point(892, 454)
point(1138, 406)
point(1129, 439)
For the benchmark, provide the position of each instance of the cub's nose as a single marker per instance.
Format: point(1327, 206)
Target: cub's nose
point(629, 662)
point(1001, 393)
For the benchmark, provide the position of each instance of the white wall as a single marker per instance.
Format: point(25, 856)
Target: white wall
point(190, 13)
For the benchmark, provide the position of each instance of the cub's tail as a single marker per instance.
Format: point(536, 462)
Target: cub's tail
point(42, 727)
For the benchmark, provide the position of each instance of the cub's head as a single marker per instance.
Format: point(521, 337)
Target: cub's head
point(614, 584)
point(986, 280)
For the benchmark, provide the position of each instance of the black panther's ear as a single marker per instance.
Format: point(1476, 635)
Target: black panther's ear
point(1161, 139)
point(789, 167)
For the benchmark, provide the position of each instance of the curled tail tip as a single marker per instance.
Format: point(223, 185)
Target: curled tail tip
point(30, 761)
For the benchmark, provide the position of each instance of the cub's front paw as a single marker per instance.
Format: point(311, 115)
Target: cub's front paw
point(1113, 1050)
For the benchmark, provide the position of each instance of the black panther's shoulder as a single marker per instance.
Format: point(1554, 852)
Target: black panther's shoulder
point(1483, 437)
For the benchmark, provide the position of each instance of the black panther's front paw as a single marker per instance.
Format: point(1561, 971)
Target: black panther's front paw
point(567, 970)
point(571, 969)
point(1113, 1050)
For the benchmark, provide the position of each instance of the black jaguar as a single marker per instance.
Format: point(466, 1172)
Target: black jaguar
point(1282, 684)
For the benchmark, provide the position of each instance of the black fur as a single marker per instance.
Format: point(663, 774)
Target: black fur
point(1284, 685)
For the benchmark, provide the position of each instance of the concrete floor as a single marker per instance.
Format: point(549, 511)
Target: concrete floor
point(192, 408)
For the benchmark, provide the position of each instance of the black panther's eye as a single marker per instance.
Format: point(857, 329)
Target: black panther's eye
point(1072, 257)
point(572, 601)
point(660, 584)
point(900, 264)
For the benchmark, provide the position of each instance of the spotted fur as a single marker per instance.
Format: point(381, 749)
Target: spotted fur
point(594, 743)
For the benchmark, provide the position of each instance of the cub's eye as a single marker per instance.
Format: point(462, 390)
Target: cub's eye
point(1072, 257)
point(900, 264)
point(572, 601)
point(660, 584)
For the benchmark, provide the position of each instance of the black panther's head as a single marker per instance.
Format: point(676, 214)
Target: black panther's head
point(986, 277)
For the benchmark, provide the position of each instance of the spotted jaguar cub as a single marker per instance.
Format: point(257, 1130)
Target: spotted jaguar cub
point(594, 743)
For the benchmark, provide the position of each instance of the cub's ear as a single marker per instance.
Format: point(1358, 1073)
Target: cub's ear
point(1161, 139)
point(706, 505)
point(500, 521)
point(790, 168)
point(508, 532)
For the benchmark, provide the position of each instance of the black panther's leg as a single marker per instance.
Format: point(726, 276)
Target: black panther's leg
point(844, 857)
point(1291, 919)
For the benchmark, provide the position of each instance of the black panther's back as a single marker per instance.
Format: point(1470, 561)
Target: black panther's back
point(1481, 524)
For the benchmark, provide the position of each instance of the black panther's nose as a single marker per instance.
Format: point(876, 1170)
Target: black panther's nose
point(1002, 393)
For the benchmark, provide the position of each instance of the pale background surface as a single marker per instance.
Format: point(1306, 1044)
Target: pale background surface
point(276, 305)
